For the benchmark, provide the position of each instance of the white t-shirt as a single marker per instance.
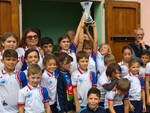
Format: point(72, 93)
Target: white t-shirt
point(83, 81)
point(32, 99)
point(147, 72)
point(50, 82)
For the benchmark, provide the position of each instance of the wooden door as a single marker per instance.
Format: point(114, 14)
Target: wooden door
point(9, 19)
point(121, 20)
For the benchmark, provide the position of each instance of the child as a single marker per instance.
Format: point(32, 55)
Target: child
point(31, 39)
point(64, 86)
point(93, 98)
point(126, 57)
point(32, 96)
point(10, 41)
point(147, 85)
point(47, 45)
point(107, 80)
point(49, 79)
point(10, 81)
point(137, 87)
point(145, 58)
point(113, 99)
point(82, 80)
point(103, 50)
point(31, 57)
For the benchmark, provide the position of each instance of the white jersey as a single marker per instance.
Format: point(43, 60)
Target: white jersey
point(92, 62)
point(83, 81)
point(100, 63)
point(72, 53)
point(9, 87)
point(102, 80)
point(124, 69)
point(33, 98)
point(50, 82)
point(113, 96)
point(137, 83)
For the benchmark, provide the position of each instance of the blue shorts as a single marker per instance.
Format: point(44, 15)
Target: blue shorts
point(137, 106)
point(118, 109)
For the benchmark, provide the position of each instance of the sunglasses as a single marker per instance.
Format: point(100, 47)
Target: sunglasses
point(31, 37)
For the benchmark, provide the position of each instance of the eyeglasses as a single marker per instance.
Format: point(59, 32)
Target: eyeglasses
point(31, 37)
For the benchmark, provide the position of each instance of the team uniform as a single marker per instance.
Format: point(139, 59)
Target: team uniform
point(147, 73)
point(117, 100)
point(25, 65)
point(124, 69)
point(137, 84)
point(100, 63)
point(83, 81)
point(92, 64)
point(72, 52)
point(50, 82)
point(20, 59)
point(33, 98)
point(102, 81)
point(9, 87)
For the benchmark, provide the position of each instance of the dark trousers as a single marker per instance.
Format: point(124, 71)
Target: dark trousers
point(118, 109)
point(54, 108)
point(137, 106)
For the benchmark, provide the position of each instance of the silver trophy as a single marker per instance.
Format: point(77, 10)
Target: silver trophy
point(87, 6)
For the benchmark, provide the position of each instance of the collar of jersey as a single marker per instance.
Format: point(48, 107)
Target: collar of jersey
point(81, 71)
point(31, 87)
point(4, 72)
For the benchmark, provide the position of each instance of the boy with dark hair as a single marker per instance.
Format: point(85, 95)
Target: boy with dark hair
point(47, 45)
point(93, 97)
point(82, 80)
point(10, 81)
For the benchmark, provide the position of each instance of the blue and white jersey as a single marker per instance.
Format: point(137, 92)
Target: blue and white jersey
point(50, 82)
point(124, 69)
point(103, 80)
point(9, 87)
point(137, 83)
point(113, 96)
point(83, 81)
point(33, 99)
point(92, 62)
point(72, 52)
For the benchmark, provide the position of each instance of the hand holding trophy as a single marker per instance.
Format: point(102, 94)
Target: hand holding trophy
point(87, 6)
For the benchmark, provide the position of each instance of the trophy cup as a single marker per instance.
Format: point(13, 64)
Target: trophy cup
point(86, 5)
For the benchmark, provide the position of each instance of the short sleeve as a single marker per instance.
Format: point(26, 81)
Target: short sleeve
point(73, 47)
point(110, 95)
point(147, 71)
point(22, 79)
point(103, 80)
point(126, 97)
point(45, 95)
point(21, 98)
point(74, 79)
point(142, 82)
point(93, 78)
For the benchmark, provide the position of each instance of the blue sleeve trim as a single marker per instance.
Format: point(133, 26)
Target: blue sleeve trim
point(73, 47)
point(93, 55)
point(23, 79)
point(94, 78)
point(126, 96)
point(45, 94)
point(142, 82)
point(82, 109)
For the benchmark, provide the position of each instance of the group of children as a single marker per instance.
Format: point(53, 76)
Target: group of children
point(77, 77)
